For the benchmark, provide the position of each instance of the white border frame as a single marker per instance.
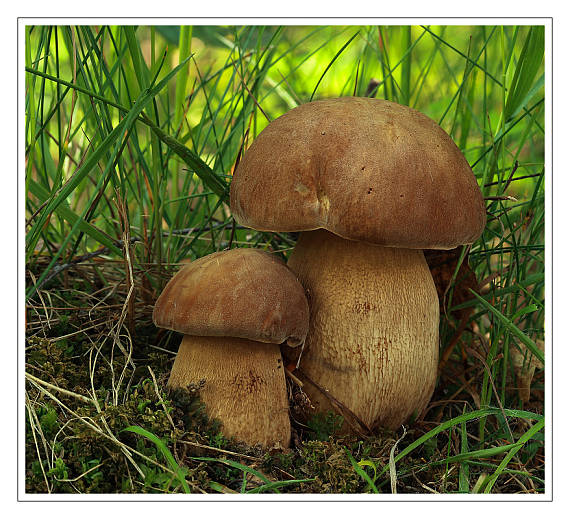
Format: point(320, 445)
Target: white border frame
point(547, 22)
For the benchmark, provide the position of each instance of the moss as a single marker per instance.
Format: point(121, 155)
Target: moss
point(330, 465)
point(96, 464)
point(323, 425)
point(84, 460)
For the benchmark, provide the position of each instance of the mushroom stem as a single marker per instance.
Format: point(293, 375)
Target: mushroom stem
point(244, 386)
point(374, 326)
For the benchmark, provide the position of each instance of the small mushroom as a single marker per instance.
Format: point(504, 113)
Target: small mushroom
point(235, 308)
point(370, 183)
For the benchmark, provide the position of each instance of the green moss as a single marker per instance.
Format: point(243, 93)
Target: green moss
point(328, 462)
point(75, 458)
point(323, 425)
point(87, 461)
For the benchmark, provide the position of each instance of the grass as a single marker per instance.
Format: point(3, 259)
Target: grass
point(132, 134)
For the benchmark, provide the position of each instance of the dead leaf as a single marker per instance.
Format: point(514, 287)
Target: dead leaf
point(524, 363)
point(442, 265)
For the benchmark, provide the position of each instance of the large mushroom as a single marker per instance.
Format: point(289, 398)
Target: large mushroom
point(235, 308)
point(370, 183)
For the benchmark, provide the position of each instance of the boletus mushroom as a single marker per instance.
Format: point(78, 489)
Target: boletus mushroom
point(369, 183)
point(235, 308)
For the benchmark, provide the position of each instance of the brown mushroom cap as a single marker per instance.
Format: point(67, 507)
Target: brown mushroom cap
point(244, 293)
point(364, 169)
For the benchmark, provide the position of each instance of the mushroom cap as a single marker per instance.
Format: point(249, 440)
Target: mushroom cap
point(244, 293)
point(364, 169)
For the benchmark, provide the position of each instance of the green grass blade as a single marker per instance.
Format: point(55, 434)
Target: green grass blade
point(65, 212)
point(464, 467)
point(278, 484)
point(139, 65)
point(197, 165)
point(537, 87)
point(236, 465)
point(529, 63)
point(112, 139)
point(473, 62)
point(406, 45)
point(164, 451)
point(519, 334)
point(478, 454)
point(361, 472)
point(536, 428)
point(341, 50)
point(90, 162)
point(474, 415)
point(184, 50)
point(30, 110)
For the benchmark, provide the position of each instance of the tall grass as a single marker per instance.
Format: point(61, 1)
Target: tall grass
point(132, 135)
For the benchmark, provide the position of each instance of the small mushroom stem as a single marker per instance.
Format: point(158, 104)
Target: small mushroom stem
point(244, 386)
point(374, 327)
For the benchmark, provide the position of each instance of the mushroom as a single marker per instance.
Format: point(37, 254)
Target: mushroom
point(370, 183)
point(235, 308)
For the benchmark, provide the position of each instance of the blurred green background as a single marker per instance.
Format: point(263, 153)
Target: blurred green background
point(483, 85)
